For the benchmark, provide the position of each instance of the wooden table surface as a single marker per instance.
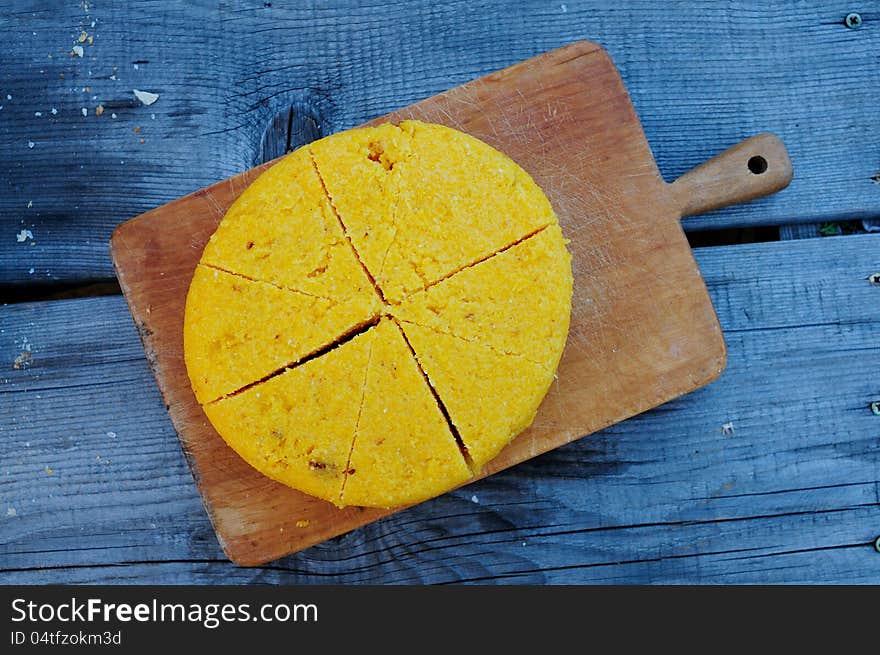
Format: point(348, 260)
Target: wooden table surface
point(770, 474)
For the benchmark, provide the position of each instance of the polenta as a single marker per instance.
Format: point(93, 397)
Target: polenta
point(467, 376)
point(297, 427)
point(238, 331)
point(517, 302)
point(403, 449)
point(379, 314)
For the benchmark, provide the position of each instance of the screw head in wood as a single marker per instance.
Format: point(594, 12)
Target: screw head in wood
point(877, 544)
point(853, 21)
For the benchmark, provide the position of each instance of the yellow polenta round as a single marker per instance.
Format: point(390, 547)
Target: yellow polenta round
point(379, 314)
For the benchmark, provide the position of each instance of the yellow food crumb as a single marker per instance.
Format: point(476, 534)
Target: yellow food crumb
point(302, 523)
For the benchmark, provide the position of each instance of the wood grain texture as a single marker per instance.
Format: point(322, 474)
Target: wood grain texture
point(789, 491)
point(703, 76)
point(642, 331)
point(799, 231)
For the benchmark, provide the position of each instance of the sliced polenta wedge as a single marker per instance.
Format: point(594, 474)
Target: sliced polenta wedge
point(237, 331)
point(297, 427)
point(420, 201)
point(282, 230)
point(460, 201)
point(404, 451)
point(491, 397)
point(517, 301)
point(361, 171)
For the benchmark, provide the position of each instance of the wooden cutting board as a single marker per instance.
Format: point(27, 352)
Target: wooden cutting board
point(643, 329)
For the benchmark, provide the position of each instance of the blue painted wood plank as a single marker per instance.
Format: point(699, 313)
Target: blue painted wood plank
point(702, 75)
point(770, 474)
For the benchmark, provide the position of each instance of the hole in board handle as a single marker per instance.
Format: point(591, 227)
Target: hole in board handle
point(757, 164)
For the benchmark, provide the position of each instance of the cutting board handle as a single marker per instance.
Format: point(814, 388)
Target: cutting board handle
point(751, 169)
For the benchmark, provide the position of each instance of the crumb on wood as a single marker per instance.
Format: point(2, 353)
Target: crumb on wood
point(24, 235)
point(11, 511)
point(146, 97)
point(99, 110)
point(48, 470)
point(302, 523)
point(22, 361)
point(77, 51)
point(727, 428)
